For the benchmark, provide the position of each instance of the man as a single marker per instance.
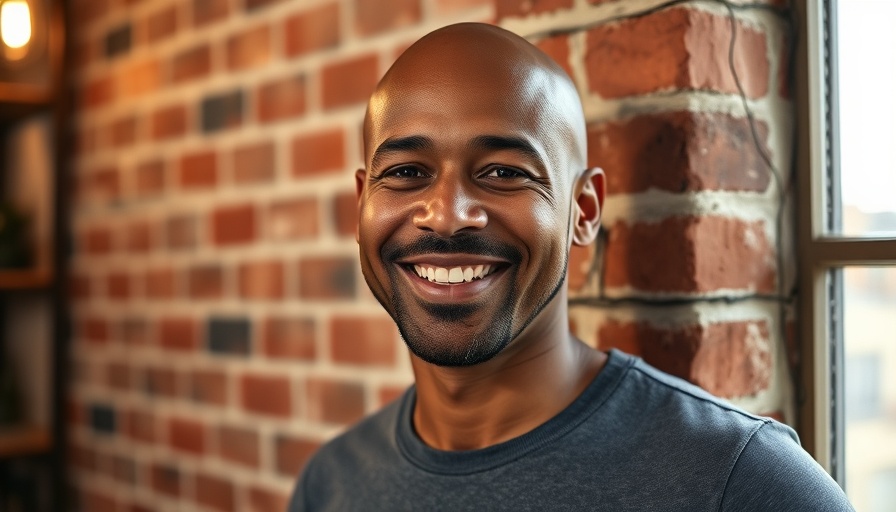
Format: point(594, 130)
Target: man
point(475, 186)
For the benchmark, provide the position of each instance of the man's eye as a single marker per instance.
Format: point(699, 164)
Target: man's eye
point(406, 172)
point(506, 173)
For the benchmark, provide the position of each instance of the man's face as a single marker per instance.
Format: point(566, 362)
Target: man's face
point(465, 209)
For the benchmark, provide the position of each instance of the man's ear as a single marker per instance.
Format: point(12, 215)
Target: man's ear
point(591, 186)
point(360, 180)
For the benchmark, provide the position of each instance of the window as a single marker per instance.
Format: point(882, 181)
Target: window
point(847, 241)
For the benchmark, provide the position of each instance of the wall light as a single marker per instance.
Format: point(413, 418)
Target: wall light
point(15, 24)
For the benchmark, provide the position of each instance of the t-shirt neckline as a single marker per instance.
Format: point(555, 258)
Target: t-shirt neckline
point(467, 462)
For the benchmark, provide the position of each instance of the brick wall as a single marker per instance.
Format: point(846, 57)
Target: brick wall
point(222, 329)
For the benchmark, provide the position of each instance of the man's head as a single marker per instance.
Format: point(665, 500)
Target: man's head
point(475, 185)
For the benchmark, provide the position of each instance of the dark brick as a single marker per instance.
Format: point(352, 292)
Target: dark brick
point(102, 419)
point(222, 111)
point(118, 41)
point(229, 336)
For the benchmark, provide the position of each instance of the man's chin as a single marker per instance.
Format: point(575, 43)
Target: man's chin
point(454, 337)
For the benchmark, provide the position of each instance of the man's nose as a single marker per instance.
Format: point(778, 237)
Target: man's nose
point(449, 208)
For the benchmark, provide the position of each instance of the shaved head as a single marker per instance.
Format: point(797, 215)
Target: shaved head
point(474, 60)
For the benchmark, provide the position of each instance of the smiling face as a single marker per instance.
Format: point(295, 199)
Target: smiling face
point(473, 143)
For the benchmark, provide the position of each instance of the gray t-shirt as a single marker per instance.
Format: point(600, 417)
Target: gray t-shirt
point(636, 439)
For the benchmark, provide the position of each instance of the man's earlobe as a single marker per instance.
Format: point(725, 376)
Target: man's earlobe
point(589, 205)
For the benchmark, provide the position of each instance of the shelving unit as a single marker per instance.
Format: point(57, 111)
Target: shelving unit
point(33, 300)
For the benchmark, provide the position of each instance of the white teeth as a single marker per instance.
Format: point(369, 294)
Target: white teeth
point(456, 275)
point(452, 275)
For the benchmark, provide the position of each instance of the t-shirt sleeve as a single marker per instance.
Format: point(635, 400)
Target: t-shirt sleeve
point(773, 472)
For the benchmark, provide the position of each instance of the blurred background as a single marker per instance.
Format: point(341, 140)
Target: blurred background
point(183, 317)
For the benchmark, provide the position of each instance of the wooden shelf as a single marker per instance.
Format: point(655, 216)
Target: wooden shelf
point(24, 440)
point(25, 279)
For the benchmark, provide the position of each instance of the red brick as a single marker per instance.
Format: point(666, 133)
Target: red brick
point(389, 394)
point(318, 153)
point(266, 394)
point(249, 49)
point(668, 49)
point(233, 225)
point(331, 401)
point(312, 29)
point(581, 260)
point(95, 329)
point(178, 334)
point(252, 5)
point(141, 426)
point(209, 386)
point(293, 219)
point(187, 435)
point(254, 163)
point(206, 282)
point(557, 48)
point(85, 52)
point(161, 24)
point(293, 453)
point(261, 280)
point(281, 99)
point(97, 241)
point(168, 122)
point(97, 501)
point(135, 331)
point(363, 341)
point(349, 82)
point(727, 359)
point(159, 283)
point(124, 470)
point(264, 500)
point(239, 445)
point(690, 254)
point(345, 214)
point(209, 11)
point(679, 152)
point(81, 457)
point(289, 338)
point(98, 92)
point(104, 184)
point(214, 492)
point(522, 8)
point(198, 170)
point(180, 232)
point(141, 78)
point(86, 12)
point(191, 64)
point(377, 16)
point(123, 131)
point(160, 381)
point(165, 479)
point(451, 6)
point(150, 179)
point(118, 285)
point(138, 236)
point(327, 278)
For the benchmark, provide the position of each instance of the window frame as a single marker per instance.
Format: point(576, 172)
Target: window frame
point(819, 390)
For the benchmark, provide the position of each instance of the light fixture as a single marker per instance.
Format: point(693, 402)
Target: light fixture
point(31, 38)
point(15, 28)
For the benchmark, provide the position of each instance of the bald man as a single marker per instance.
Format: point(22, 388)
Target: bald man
point(474, 188)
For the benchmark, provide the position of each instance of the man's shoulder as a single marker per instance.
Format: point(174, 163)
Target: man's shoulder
point(369, 439)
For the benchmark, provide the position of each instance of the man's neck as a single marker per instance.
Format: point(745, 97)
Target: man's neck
point(532, 380)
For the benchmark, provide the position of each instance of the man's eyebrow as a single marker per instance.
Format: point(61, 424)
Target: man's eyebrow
point(398, 144)
point(506, 142)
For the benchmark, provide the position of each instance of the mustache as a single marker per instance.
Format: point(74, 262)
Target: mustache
point(467, 243)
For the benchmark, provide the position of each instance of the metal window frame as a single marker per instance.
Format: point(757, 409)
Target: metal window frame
point(821, 254)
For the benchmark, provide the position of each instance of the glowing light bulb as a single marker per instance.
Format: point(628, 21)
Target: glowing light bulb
point(15, 23)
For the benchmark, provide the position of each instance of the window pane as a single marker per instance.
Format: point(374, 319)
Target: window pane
point(869, 337)
point(867, 116)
